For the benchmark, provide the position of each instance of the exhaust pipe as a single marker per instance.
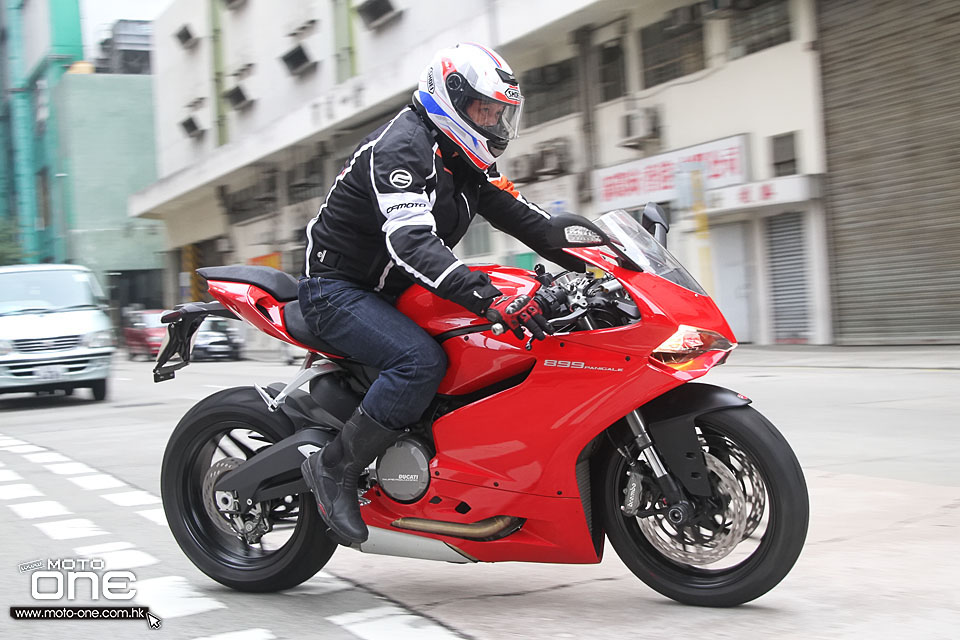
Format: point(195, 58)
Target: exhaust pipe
point(490, 529)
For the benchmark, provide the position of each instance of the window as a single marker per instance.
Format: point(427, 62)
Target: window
point(762, 26)
point(43, 200)
point(784, 155)
point(671, 51)
point(611, 75)
point(476, 242)
point(550, 92)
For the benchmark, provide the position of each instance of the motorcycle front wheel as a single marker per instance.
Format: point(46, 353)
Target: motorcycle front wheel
point(744, 539)
point(279, 543)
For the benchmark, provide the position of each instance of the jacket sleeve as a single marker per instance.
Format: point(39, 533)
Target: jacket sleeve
point(510, 212)
point(403, 176)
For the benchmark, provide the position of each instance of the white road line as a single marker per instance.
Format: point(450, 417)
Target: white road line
point(25, 448)
point(6, 475)
point(319, 585)
point(131, 498)
point(70, 529)
point(96, 482)
point(246, 634)
point(217, 386)
point(42, 509)
point(15, 491)
point(69, 468)
point(154, 515)
point(173, 596)
point(106, 547)
point(47, 456)
point(10, 442)
point(126, 559)
point(391, 622)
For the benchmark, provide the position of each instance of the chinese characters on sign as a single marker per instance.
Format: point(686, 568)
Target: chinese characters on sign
point(653, 179)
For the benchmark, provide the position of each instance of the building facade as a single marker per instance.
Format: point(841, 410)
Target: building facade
point(625, 102)
point(77, 144)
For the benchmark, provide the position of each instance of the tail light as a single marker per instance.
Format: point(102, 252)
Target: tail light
point(683, 349)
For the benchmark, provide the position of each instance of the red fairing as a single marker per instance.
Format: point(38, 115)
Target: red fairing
point(256, 306)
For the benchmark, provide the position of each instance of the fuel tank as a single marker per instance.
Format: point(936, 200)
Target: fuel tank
point(476, 359)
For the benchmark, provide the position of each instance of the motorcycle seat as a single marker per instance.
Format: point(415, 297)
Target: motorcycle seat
point(280, 285)
point(297, 327)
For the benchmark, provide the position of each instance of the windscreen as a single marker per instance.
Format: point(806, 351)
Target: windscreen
point(47, 290)
point(641, 247)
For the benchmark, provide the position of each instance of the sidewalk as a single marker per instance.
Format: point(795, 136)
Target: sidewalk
point(916, 357)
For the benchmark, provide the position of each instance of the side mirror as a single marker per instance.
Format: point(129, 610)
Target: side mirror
point(656, 220)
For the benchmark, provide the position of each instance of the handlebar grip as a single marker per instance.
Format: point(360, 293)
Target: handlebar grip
point(498, 329)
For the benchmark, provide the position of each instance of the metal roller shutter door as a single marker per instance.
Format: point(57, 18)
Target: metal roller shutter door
point(786, 264)
point(891, 82)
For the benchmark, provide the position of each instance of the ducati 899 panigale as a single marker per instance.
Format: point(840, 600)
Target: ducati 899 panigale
point(531, 451)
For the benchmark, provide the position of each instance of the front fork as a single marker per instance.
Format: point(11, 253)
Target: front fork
point(679, 509)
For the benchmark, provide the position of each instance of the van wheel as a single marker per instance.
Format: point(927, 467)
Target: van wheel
point(99, 388)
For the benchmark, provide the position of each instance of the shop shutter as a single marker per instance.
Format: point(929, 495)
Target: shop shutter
point(786, 264)
point(891, 82)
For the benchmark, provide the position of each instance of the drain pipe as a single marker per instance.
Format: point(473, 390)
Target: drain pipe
point(586, 54)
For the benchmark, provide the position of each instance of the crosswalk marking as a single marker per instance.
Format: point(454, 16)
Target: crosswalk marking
point(25, 448)
point(15, 491)
point(69, 468)
point(106, 547)
point(46, 456)
point(131, 498)
point(95, 482)
point(41, 509)
point(154, 515)
point(173, 597)
point(392, 622)
point(6, 475)
point(321, 584)
point(246, 634)
point(127, 559)
point(10, 442)
point(70, 529)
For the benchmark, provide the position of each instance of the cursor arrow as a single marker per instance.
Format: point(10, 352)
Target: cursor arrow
point(154, 621)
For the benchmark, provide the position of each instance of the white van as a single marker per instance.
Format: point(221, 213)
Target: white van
point(54, 330)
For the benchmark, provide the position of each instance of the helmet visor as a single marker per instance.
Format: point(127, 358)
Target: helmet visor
point(497, 118)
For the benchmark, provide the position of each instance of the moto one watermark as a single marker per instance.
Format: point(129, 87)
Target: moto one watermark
point(62, 579)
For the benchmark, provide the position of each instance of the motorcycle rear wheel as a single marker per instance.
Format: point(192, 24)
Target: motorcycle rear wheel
point(215, 435)
point(742, 442)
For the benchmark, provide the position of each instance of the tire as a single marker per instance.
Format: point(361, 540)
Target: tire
point(99, 389)
point(734, 438)
point(217, 553)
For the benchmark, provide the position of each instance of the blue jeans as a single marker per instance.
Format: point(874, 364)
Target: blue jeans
point(365, 326)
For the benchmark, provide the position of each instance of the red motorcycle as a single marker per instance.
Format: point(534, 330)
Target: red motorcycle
point(531, 451)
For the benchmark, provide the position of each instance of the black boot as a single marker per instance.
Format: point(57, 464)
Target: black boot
point(333, 474)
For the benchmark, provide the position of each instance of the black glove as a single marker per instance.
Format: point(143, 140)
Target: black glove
point(516, 312)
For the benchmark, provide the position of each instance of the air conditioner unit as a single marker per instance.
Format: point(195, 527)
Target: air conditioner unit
point(234, 4)
point(638, 126)
point(554, 157)
point(682, 18)
point(186, 37)
point(266, 190)
point(298, 61)
point(523, 168)
point(193, 126)
point(238, 98)
point(377, 13)
point(718, 8)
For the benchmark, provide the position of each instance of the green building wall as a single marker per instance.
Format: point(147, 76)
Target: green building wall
point(106, 144)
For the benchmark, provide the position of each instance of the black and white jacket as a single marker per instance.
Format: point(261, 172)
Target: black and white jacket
point(398, 206)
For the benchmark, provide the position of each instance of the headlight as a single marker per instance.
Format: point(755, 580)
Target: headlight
point(6, 347)
point(98, 339)
point(688, 344)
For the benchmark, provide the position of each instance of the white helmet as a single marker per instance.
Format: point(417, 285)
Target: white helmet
point(470, 93)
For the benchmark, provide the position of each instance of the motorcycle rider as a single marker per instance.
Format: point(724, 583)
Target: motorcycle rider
point(405, 197)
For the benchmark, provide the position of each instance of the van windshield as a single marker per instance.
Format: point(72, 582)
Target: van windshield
point(44, 291)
